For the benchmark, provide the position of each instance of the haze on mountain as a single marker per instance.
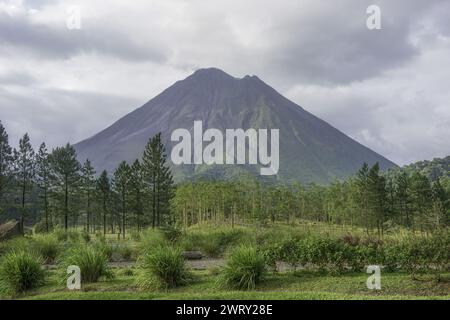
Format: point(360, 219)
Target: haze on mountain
point(311, 150)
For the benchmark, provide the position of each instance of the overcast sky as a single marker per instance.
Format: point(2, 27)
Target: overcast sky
point(389, 89)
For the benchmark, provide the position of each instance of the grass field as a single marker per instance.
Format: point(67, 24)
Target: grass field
point(297, 285)
point(289, 283)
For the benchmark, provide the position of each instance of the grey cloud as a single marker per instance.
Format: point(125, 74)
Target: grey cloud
point(60, 116)
point(17, 78)
point(50, 42)
point(335, 47)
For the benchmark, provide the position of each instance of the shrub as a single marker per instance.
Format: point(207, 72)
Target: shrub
point(73, 235)
point(150, 239)
point(244, 269)
point(85, 236)
point(127, 272)
point(15, 244)
point(124, 251)
point(163, 267)
point(214, 243)
point(100, 236)
point(41, 227)
point(105, 248)
point(60, 234)
point(47, 246)
point(135, 235)
point(91, 260)
point(171, 233)
point(20, 271)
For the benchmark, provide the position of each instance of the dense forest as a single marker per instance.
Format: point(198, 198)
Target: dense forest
point(52, 189)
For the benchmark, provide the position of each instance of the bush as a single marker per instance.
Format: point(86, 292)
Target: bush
point(121, 252)
point(60, 234)
point(41, 227)
point(73, 235)
point(244, 269)
point(20, 271)
point(47, 246)
point(99, 236)
point(214, 243)
point(171, 233)
point(15, 244)
point(163, 267)
point(135, 235)
point(86, 236)
point(91, 260)
point(150, 239)
point(105, 248)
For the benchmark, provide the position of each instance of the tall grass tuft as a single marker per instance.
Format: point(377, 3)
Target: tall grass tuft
point(163, 267)
point(244, 269)
point(151, 239)
point(92, 261)
point(47, 246)
point(20, 271)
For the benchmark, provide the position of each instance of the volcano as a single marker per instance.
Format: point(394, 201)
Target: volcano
point(310, 149)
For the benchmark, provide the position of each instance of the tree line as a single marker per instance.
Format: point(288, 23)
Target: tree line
point(62, 192)
point(374, 200)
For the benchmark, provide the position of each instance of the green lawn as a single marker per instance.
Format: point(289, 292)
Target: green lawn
point(286, 286)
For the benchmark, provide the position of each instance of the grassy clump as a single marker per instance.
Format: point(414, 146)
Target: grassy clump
point(85, 236)
point(163, 267)
point(92, 261)
point(244, 269)
point(214, 242)
point(151, 239)
point(47, 246)
point(20, 271)
point(15, 244)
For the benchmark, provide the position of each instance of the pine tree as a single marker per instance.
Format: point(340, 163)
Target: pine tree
point(104, 189)
point(421, 195)
point(5, 165)
point(403, 197)
point(441, 205)
point(136, 189)
point(121, 184)
point(158, 179)
point(363, 194)
point(24, 171)
point(88, 187)
point(65, 167)
point(43, 179)
point(377, 196)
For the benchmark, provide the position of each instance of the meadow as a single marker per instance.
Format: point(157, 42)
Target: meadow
point(299, 260)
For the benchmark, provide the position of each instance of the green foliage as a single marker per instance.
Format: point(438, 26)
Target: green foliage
point(92, 261)
point(172, 233)
point(15, 244)
point(333, 255)
point(158, 178)
point(244, 269)
point(20, 271)
point(150, 239)
point(135, 235)
point(106, 248)
point(41, 227)
point(61, 234)
point(47, 246)
point(125, 251)
point(214, 242)
point(85, 236)
point(163, 267)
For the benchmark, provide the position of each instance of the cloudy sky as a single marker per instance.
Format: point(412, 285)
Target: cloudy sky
point(388, 88)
